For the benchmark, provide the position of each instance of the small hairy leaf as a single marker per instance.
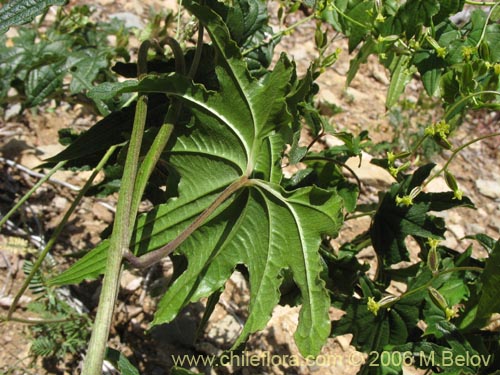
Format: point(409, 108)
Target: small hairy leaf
point(401, 75)
point(18, 12)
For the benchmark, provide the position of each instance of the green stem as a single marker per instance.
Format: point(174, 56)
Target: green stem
point(30, 192)
point(163, 135)
point(58, 231)
point(483, 33)
point(120, 240)
point(155, 256)
point(455, 153)
point(481, 3)
point(35, 321)
point(357, 216)
point(197, 54)
point(434, 277)
point(450, 111)
point(352, 20)
point(279, 34)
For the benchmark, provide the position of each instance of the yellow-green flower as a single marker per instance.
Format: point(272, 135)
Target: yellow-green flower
point(373, 306)
point(441, 52)
point(405, 200)
point(433, 242)
point(467, 52)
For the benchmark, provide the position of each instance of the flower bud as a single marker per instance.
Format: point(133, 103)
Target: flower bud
point(438, 298)
point(433, 260)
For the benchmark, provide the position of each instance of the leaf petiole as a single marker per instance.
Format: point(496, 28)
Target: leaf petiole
point(155, 256)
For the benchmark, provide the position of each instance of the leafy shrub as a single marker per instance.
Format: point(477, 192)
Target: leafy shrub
point(206, 143)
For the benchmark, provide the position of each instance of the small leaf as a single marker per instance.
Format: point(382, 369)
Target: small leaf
point(366, 50)
point(18, 12)
point(401, 75)
point(393, 223)
point(42, 83)
point(121, 362)
point(297, 152)
point(489, 302)
point(84, 67)
point(372, 332)
point(484, 240)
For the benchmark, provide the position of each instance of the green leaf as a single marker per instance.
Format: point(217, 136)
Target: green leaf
point(121, 362)
point(447, 8)
point(429, 67)
point(373, 332)
point(18, 12)
point(489, 302)
point(400, 76)
point(260, 226)
point(42, 83)
point(84, 67)
point(393, 223)
point(90, 146)
point(486, 241)
point(366, 50)
point(414, 14)
point(247, 21)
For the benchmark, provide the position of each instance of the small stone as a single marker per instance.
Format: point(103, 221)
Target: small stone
point(369, 173)
point(489, 188)
point(59, 203)
point(437, 185)
point(12, 111)
point(102, 213)
point(130, 282)
point(225, 330)
point(474, 228)
point(129, 19)
point(457, 230)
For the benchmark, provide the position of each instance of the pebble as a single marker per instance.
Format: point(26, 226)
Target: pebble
point(489, 188)
point(130, 282)
point(129, 19)
point(369, 173)
point(59, 203)
point(12, 111)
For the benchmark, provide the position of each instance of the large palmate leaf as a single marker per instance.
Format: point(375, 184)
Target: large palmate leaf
point(234, 142)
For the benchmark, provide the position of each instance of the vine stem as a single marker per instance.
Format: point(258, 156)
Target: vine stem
point(455, 153)
point(483, 33)
point(450, 111)
point(481, 3)
point(134, 182)
point(279, 34)
point(58, 230)
point(120, 238)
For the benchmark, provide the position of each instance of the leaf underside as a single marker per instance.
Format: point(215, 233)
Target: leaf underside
point(239, 130)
